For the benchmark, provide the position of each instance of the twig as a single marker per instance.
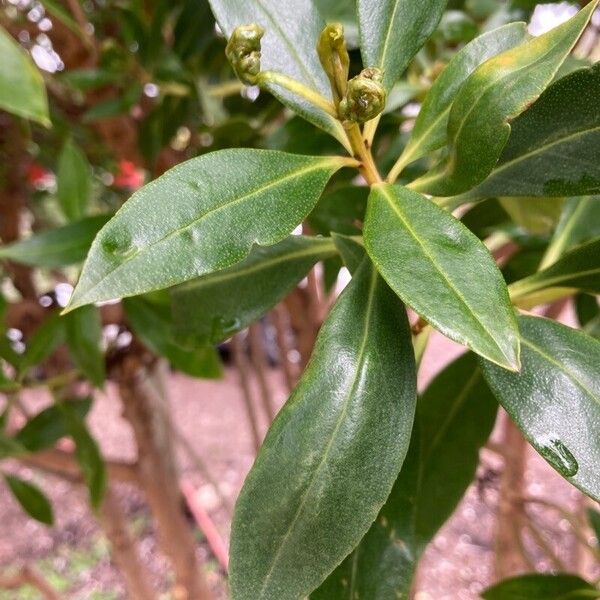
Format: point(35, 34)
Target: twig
point(257, 356)
point(27, 575)
point(242, 368)
point(281, 323)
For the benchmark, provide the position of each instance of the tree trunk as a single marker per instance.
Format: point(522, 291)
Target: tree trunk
point(159, 481)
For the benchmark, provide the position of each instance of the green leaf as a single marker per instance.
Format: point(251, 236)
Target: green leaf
point(59, 247)
point(497, 92)
point(551, 145)
point(212, 308)
point(393, 31)
point(22, 90)
point(31, 498)
point(153, 324)
point(44, 341)
point(555, 399)
point(351, 249)
point(288, 46)
point(594, 519)
point(580, 222)
point(340, 210)
point(438, 469)
point(84, 338)
point(201, 216)
point(47, 427)
point(588, 314)
point(430, 130)
point(330, 458)
point(538, 216)
point(442, 271)
point(576, 270)
point(542, 587)
point(73, 181)
point(87, 453)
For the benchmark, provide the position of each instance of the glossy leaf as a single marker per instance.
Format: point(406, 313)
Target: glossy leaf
point(393, 31)
point(442, 271)
point(424, 495)
point(288, 46)
point(84, 338)
point(31, 498)
point(496, 93)
point(153, 323)
point(22, 90)
point(542, 587)
point(580, 222)
point(59, 247)
point(44, 341)
point(555, 399)
point(351, 249)
point(201, 216)
point(330, 458)
point(212, 308)
point(551, 146)
point(341, 210)
point(73, 181)
point(47, 427)
point(430, 129)
point(87, 453)
point(578, 270)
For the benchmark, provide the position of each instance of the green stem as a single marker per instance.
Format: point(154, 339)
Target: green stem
point(368, 167)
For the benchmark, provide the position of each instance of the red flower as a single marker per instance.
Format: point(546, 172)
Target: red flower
point(129, 176)
point(38, 176)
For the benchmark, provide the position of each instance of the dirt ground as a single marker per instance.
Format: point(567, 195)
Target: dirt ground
point(74, 557)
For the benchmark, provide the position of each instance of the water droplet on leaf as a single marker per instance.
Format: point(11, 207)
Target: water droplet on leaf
point(559, 456)
point(121, 248)
point(223, 328)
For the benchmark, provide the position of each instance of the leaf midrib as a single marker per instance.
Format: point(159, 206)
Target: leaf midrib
point(542, 149)
point(318, 249)
point(538, 282)
point(343, 412)
point(560, 366)
point(428, 254)
point(204, 215)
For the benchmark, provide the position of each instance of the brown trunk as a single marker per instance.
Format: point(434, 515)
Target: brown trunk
point(124, 550)
point(509, 559)
point(159, 481)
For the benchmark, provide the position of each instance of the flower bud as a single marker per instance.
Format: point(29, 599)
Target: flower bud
point(243, 52)
point(334, 58)
point(365, 98)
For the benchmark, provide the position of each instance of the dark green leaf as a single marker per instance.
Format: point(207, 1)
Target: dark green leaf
point(577, 270)
point(48, 426)
point(442, 271)
point(31, 498)
point(288, 46)
point(552, 145)
point(555, 399)
point(331, 456)
point(485, 218)
point(537, 216)
point(87, 453)
point(153, 323)
point(22, 90)
point(424, 495)
point(351, 249)
point(542, 587)
point(594, 519)
point(430, 130)
point(393, 31)
point(58, 247)
point(214, 307)
point(498, 91)
point(202, 216)
point(46, 338)
point(84, 338)
point(588, 314)
point(341, 210)
point(73, 181)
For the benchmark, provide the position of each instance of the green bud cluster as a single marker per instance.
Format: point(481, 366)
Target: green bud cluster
point(365, 97)
point(243, 52)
